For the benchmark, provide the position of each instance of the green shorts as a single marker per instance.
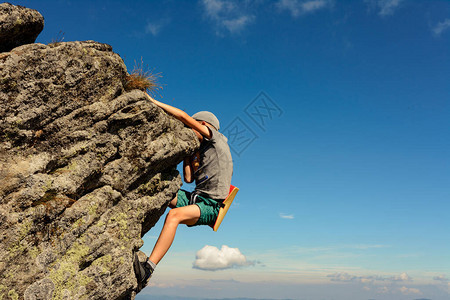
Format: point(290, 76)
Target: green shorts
point(209, 208)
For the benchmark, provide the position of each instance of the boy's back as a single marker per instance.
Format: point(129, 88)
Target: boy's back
point(213, 176)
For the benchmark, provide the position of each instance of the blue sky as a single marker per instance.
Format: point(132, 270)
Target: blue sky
point(345, 187)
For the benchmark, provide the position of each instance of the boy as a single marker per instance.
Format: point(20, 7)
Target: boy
point(211, 168)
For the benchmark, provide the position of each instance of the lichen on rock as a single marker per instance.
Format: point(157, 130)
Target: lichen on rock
point(86, 169)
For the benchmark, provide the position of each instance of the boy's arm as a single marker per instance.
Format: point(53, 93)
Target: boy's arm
point(183, 117)
point(187, 170)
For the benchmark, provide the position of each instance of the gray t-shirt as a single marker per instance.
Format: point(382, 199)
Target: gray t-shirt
point(213, 176)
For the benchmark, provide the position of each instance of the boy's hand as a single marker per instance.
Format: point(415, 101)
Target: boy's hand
point(199, 127)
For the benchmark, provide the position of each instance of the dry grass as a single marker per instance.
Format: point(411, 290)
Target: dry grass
point(59, 39)
point(143, 79)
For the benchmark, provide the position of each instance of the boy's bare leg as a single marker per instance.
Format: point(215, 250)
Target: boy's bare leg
point(188, 215)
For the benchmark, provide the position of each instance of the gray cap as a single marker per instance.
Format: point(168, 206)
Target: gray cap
point(207, 117)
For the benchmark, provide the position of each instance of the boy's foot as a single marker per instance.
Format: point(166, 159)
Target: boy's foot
point(143, 272)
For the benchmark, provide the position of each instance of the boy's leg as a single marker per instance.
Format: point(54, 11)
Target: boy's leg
point(188, 215)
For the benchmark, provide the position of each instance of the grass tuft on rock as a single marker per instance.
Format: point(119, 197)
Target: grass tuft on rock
point(143, 79)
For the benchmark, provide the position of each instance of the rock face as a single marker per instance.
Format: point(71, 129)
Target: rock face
point(18, 26)
point(86, 169)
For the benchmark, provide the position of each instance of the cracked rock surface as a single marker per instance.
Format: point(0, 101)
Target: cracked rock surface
point(86, 169)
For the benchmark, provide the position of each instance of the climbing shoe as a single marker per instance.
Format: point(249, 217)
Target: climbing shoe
point(143, 272)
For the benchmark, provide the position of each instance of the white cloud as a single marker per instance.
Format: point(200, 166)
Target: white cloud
point(227, 15)
point(163, 285)
point(383, 284)
point(154, 28)
point(406, 291)
point(443, 281)
point(345, 277)
point(311, 6)
point(401, 277)
point(385, 7)
point(214, 8)
point(235, 25)
point(441, 278)
point(441, 27)
point(297, 8)
point(284, 216)
point(383, 290)
point(210, 258)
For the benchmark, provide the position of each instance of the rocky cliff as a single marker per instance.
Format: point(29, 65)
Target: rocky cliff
point(86, 169)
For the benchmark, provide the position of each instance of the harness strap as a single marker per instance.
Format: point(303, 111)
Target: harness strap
point(193, 198)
